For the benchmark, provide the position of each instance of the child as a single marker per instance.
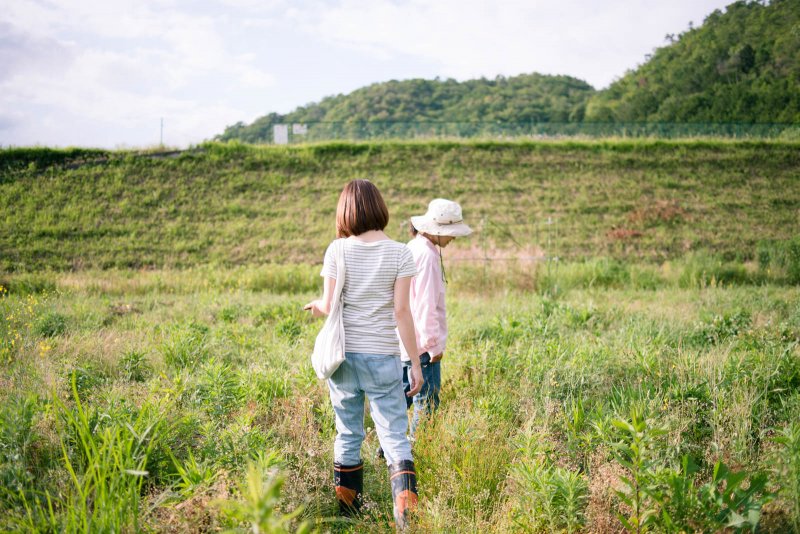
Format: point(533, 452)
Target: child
point(437, 228)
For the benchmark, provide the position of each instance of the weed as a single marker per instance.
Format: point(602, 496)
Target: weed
point(531, 387)
point(50, 324)
point(232, 445)
point(218, 388)
point(289, 329)
point(675, 491)
point(192, 475)
point(735, 497)
point(230, 314)
point(789, 470)
point(107, 467)
point(259, 499)
point(635, 452)
point(86, 378)
point(186, 346)
point(134, 367)
point(453, 461)
point(715, 329)
point(549, 498)
point(264, 385)
point(17, 437)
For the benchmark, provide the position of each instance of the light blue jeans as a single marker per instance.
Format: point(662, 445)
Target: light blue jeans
point(379, 377)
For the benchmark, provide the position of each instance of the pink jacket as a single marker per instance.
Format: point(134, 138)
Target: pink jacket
point(427, 298)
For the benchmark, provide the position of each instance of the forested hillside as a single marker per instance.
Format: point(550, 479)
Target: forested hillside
point(742, 65)
point(525, 98)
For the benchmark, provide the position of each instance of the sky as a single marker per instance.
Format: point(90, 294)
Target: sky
point(105, 73)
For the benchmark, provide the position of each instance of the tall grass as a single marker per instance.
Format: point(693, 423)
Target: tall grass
point(133, 405)
point(107, 463)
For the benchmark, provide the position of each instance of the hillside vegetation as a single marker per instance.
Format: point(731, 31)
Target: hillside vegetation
point(525, 98)
point(232, 204)
point(742, 65)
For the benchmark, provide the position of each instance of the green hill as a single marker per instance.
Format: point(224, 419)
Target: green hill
point(742, 65)
point(233, 204)
point(525, 98)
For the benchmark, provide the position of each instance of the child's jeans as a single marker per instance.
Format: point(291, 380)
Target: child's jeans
point(380, 378)
point(427, 400)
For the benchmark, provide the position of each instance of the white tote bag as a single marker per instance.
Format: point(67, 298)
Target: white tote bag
point(329, 347)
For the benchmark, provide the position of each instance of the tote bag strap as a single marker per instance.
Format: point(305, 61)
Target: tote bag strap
point(340, 274)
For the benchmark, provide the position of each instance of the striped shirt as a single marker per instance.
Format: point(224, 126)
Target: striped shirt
point(368, 293)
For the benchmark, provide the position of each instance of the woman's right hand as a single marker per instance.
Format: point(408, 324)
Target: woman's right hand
point(316, 308)
point(415, 378)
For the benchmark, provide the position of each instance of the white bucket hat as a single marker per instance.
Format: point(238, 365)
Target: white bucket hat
point(443, 218)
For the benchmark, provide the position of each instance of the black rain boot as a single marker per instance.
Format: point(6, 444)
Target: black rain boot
point(349, 482)
point(403, 478)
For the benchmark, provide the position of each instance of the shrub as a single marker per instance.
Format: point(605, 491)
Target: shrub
point(50, 324)
point(702, 269)
point(717, 328)
point(17, 436)
point(289, 328)
point(86, 378)
point(781, 255)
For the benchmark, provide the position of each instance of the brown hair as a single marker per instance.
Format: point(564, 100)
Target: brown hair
point(361, 209)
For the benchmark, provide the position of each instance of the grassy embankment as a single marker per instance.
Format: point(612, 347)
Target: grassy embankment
point(136, 399)
point(234, 205)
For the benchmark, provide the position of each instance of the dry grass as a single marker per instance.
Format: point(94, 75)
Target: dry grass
point(603, 483)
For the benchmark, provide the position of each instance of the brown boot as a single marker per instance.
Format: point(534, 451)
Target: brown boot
point(349, 481)
point(403, 478)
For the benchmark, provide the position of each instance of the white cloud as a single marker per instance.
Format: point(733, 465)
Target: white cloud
point(97, 64)
point(103, 72)
point(468, 38)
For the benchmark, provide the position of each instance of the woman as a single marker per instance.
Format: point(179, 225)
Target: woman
point(375, 299)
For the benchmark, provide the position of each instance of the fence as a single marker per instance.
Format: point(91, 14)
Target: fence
point(386, 130)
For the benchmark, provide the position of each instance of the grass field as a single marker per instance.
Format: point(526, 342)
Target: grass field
point(138, 402)
point(156, 358)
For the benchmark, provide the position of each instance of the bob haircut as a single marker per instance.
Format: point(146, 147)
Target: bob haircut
point(361, 209)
